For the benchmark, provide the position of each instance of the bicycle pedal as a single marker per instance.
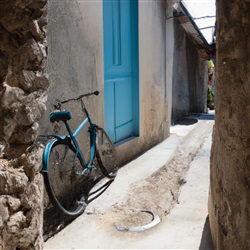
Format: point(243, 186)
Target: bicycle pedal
point(85, 172)
point(93, 167)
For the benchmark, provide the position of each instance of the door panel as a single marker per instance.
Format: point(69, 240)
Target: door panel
point(120, 85)
point(123, 104)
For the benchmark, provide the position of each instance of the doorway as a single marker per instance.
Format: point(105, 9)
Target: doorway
point(121, 78)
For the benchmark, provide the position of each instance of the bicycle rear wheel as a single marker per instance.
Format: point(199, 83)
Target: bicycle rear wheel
point(64, 184)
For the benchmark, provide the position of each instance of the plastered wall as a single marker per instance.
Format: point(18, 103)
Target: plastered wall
point(75, 66)
point(189, 85)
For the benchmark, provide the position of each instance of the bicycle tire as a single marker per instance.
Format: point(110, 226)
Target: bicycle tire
point(105, 172)
point(64, 185)
point(105, 154)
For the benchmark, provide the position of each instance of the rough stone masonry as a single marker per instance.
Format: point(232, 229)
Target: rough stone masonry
point(229, 206)
point(23, 85)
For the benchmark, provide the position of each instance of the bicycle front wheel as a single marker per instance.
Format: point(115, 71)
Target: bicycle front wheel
point(63, 181)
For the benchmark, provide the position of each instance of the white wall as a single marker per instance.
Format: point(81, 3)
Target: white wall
point(172, 77)
point(75, 66)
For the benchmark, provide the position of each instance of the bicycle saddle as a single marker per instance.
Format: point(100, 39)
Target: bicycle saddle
point(60, 116)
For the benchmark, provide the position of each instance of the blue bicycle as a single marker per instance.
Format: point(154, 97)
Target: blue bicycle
point(68, 176)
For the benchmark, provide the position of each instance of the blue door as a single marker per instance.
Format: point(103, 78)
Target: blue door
point(121, 83)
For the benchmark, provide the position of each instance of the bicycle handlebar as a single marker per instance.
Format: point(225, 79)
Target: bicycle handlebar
point(74, 99)
point(84, 95)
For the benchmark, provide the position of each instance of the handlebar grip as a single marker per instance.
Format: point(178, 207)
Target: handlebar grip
point(85, 95)
point(80, 97)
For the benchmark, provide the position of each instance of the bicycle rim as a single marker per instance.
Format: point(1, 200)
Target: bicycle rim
point(105, 171)
point(65, 186)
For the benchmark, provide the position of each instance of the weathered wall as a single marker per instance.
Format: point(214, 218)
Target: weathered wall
point(197, 79)
point(75, 65)
point(154, 124)
point(229, 206)
point(189, 91)
point(23, 87)
point(169, 54)
point(75, 60)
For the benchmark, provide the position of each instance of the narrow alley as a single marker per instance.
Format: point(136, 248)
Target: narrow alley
point(171, 180)
point(145, 71)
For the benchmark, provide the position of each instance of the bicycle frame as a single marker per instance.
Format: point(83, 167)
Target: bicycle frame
point(92, 130)
point(64, 149)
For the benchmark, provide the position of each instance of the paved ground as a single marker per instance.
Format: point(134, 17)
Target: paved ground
point(185, 227)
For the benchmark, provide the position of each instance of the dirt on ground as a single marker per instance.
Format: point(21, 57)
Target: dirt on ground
point(158, 193)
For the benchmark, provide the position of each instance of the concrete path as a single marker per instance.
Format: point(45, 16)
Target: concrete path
point(186, 227)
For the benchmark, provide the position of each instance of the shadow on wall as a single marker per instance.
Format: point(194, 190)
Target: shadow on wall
point(206, 238)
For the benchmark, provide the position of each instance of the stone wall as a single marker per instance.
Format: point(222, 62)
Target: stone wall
point(23, 85)
point(229, 206)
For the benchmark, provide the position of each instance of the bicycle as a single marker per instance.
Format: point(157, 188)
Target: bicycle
point(65, 168)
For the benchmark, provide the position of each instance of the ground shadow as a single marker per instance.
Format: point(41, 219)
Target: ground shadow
point(206, 238)
point(192, 119)
point(206, 117)
point(186, 121)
